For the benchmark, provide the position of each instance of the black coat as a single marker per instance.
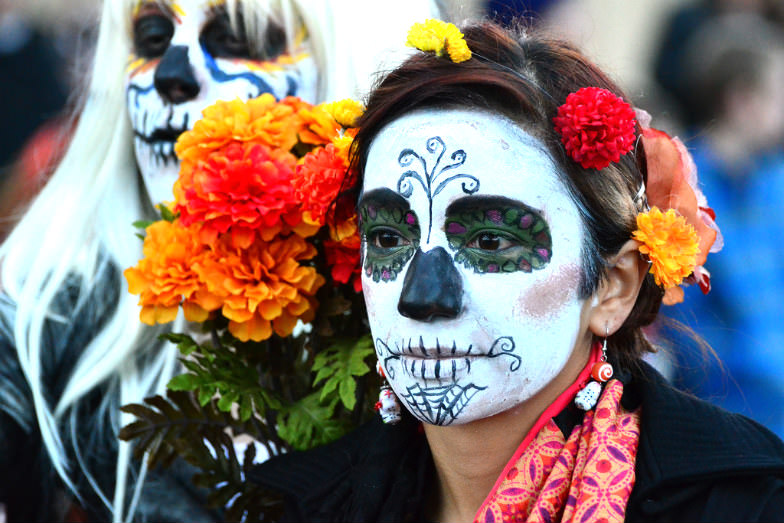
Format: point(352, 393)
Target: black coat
point(30, 490)
point(695, 462)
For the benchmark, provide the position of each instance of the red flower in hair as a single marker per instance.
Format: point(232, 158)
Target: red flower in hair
point(596, 127)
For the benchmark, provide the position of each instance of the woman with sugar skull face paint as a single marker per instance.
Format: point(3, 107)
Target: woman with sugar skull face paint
point(71, 347)
point(521, 224)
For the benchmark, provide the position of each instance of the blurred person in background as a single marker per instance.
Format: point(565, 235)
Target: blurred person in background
point(733, 67)
point(72, 349)
point(678, 32)
point(32, 91)
point(42, 46)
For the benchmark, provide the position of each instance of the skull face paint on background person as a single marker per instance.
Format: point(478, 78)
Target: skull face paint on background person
point(188, 55)
point(472, 256)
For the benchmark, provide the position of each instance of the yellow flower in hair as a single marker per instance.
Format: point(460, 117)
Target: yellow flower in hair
point(670, 243)
point(345, 112)
point(438, 37)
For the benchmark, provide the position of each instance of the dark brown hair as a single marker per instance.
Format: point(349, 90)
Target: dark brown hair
point(526, 77)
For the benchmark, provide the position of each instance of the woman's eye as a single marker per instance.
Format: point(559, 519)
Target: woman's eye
point(220, 39)
point(386, 239)
point(487, 241)
point(151, 35)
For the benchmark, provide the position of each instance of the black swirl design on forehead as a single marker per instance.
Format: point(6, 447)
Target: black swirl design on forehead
point(433, 180)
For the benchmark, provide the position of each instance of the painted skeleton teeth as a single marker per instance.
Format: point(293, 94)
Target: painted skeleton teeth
point(436, 368)
point(161, 153)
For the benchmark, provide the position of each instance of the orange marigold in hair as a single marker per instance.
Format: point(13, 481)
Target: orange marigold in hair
point(259, 120)
point(318, 181)
point(670, 243)
point(243, 189)
point(264, 288)
point(596, 127)
point(165, 278)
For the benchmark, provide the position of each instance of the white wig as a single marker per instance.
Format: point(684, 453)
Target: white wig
point(95, 194)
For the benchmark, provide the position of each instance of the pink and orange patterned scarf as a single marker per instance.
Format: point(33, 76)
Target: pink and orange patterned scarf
point(587, 477)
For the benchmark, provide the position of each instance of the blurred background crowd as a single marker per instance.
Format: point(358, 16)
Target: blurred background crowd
point(708, 71)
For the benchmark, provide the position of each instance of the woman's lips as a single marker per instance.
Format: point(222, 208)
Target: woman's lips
point(444, 367)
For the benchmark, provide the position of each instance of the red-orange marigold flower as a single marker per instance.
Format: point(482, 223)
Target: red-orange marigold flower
point(165, 276)
point(596, 127)
point(263, 288)
point(342, 252)
point(318, 181)
point(241, 189)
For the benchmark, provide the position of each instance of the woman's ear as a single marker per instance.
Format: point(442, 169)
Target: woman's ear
point(614, 299)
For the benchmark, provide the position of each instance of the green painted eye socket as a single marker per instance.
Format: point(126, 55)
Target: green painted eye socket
point(392, 236)
point(500, 240)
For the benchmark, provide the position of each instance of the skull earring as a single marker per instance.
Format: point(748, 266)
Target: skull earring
point(387, 404)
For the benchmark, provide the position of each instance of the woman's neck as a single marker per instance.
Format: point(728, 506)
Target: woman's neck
point(469, 457)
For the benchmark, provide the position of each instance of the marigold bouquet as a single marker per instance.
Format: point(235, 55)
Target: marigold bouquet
point(260, 251)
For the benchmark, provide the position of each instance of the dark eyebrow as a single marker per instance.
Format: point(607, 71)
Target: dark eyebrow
point(486, 203)
point(384, 198)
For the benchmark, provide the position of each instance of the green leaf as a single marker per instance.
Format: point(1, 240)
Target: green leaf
point(185, 344)
point(166, 213)
point(309, 422)
point(183, 382)
point(339, 365)
point(347, 390)
point(205, 395)
point(142, 224)
point(246, 409)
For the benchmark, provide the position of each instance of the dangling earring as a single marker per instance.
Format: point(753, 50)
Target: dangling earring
point(387, 404)
point(601, 372)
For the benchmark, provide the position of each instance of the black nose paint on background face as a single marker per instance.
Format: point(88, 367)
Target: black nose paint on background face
point(174, 78)
point(432, 287)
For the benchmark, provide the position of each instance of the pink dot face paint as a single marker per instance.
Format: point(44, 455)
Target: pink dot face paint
point(484, 308)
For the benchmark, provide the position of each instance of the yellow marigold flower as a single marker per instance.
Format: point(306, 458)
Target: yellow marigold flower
point(439, 37)
point(670, 243)
point(343, 144)
point(345, 112)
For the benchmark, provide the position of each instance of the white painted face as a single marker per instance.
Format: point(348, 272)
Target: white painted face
point(472, 263)
point(186, 57)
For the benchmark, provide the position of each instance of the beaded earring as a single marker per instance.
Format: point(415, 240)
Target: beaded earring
point(601, 372)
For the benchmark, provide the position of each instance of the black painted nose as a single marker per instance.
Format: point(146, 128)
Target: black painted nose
point(174, 78)
point(432, 287)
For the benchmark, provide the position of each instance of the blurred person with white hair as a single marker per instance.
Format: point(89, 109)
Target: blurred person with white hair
point(72, 348)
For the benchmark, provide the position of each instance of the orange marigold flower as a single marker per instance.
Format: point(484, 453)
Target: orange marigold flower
point(259, 120)
point(165, 276)
point(318, 180)
point(263, 288)
point(318, 126)
point(670, 243)
point(241, 189)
